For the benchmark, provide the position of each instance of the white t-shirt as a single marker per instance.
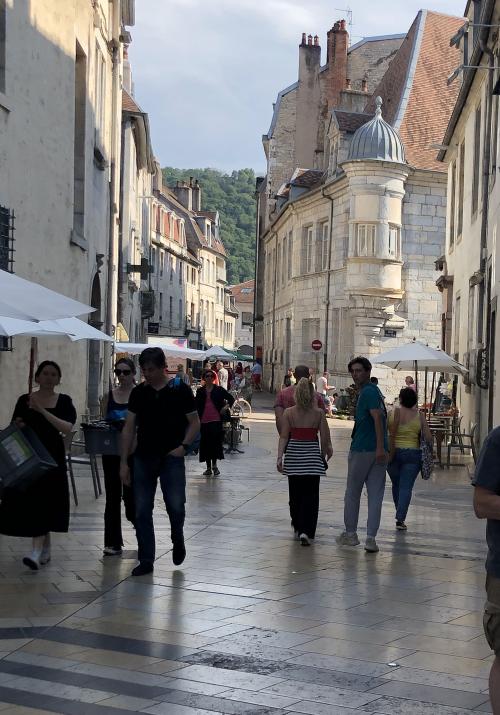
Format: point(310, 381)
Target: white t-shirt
point(321, 385)
point(223, 377)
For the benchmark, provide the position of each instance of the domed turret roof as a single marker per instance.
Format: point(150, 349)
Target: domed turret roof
point(377, 140)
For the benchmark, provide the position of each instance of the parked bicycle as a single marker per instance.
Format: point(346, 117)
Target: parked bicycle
point(241, 407)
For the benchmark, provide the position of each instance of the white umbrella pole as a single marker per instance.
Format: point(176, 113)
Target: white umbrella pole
point(425, 392)
point(415, 364)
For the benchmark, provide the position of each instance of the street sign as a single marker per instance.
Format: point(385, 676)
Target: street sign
point(316, 344)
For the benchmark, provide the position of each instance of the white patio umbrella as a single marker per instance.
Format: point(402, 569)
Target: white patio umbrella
point(23, 299)
point(169, 350)
point(9, 327)
point(73, 328)
point(218, 352)
point(419, 357)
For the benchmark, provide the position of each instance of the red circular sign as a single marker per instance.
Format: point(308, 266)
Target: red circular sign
point(316, 344)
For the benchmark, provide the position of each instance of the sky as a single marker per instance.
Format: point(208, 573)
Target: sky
point(208, 71)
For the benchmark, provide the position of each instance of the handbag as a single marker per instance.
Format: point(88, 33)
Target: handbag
point(426, 451)
point(23, 458)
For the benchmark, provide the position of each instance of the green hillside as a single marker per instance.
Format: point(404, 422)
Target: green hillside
point(233, 196)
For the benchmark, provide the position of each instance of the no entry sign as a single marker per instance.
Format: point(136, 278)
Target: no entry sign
point(316, 344)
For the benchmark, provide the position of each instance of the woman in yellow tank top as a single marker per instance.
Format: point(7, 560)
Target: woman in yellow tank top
point(405, 457)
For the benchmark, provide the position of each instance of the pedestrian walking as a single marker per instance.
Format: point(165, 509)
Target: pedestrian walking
point(406, 424)
point(212, 402)
point(289, 379)
point(166, 421)
point(486, 484)
point(181, 376)
point(286, 398)
point(222, 374)
point(367, 459)
point(303, 459)
point(114, 410)
point(322, 388)
point(257, 376)
point(246, 385)
point(44, 506)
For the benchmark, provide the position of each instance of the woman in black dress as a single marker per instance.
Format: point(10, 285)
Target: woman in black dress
point(211, 402)
point(115, 407)
point(44, 507)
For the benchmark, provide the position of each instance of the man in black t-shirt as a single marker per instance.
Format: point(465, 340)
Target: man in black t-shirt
point(164, 417)
point(487, 506)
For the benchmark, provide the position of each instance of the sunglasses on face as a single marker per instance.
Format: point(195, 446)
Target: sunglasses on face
point(119, 372)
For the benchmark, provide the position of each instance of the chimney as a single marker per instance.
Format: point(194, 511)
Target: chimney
point(338, 41)
point(196, 193)
point(127, 73)
point(308, 100)
point(184, 195)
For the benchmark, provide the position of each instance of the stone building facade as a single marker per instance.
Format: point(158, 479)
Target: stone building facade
point(243, 295)
point(469, 280)
point(347, 251)
point(60, 136)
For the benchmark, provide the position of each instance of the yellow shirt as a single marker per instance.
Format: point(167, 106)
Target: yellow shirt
point(408, 435)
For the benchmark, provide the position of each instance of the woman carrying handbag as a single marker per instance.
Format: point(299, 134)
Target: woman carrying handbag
point(408, 428)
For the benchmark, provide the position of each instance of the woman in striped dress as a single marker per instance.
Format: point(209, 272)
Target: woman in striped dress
point(303, 459)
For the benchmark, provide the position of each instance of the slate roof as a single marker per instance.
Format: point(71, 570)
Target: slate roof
point(350, 121)
point(306, 178)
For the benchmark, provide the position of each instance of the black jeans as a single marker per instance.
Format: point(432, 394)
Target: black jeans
point(115, 491)
point(304, 503)
point(172, 476)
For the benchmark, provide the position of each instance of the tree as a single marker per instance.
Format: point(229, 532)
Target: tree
point(232, 195)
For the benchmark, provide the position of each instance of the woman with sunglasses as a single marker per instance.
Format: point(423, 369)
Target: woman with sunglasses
point(211, 402)
point(114, 410)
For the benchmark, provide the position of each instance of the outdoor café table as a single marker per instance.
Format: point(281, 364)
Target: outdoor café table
point(441, 426)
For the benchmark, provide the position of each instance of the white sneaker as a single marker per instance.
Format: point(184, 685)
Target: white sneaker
point(111, 551)
point(305, 540)
point(345, 539)
point(371, 545)
point(45, 556)
point(32, 561)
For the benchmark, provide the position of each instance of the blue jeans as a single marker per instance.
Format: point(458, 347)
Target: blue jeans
point(403, 470)
point(172, 476)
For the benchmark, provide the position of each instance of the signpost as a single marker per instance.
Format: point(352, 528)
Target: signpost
point(316, 346)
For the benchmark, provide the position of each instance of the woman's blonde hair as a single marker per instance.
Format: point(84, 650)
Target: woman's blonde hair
point(304, 394)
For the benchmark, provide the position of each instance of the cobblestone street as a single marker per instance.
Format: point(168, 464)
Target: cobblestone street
point(253, 623)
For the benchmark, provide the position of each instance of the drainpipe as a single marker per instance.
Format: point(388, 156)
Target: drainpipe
point(273, 332)
point(111, 297)
point(483, 39)
point(327, 301)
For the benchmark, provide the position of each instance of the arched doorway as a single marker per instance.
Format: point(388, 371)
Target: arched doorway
point(95, 361)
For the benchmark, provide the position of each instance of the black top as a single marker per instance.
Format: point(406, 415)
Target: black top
point(49, 436)
point(219, 397)
point(161, 416)
point(487, 475)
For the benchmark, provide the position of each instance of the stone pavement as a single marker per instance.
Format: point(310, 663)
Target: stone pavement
point(252, 623)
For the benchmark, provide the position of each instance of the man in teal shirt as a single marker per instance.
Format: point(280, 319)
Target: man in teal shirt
point(367, 458)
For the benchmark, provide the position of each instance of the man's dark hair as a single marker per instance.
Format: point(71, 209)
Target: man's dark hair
point(374, 380)
point(301, 371)
point(364, 362)
point(153, 356)
point(408, 397)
